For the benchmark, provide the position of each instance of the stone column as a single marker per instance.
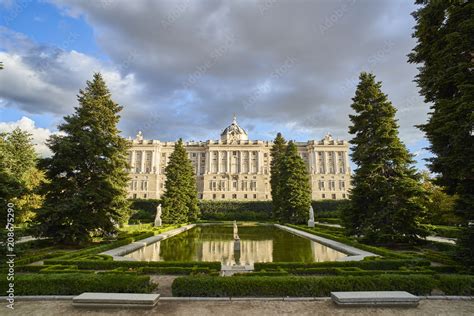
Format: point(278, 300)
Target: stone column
point(240, 162)
point(249, 162)
point(198, 165)
point(208, 162)
point(334, 162)
point(142, 167)
point(228, 161)
point(218, 161)
point(152, 161)
point(310, 160)
point(260, 162)
point(315, 160)
point(132, 162)
point(325, 159)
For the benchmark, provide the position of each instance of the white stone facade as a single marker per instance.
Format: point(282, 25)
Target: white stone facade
point(235, 168)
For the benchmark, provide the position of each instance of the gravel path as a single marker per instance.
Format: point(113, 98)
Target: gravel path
point(164, 283)
point(245, 308)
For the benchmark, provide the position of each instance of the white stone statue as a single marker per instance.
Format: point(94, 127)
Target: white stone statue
point(311, 217)
point(236, 244)
point(158, 216)
point(236, 232)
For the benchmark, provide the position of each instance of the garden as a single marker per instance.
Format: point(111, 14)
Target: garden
point(45, 268)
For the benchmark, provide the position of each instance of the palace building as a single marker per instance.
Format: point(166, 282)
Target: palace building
point(236, 168)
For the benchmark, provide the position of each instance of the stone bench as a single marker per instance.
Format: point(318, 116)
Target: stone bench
point(121, 300)
point(376, 298)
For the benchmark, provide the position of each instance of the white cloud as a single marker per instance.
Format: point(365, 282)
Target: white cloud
point(39, 135)
point(40, 79)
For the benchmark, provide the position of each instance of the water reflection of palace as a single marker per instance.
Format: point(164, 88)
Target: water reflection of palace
point(251, 251)
point(323, 253)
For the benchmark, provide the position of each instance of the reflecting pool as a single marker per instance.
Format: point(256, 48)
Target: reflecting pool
point(258, 243)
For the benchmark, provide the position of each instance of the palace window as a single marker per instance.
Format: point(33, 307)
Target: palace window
point(334, 196)
point(254, 196)
point(321, 185)
point(234, 196)
point(214, 196)
point(342, 185)
point(223, 196)
point(245, 196)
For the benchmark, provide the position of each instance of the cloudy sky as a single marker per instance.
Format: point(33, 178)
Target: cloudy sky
point(182, 68)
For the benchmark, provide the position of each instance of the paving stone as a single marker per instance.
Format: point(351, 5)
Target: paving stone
point(90, 299)
point(370, 298)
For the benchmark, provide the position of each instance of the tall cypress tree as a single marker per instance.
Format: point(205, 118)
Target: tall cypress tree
point(86, 193)
point(445, 41)
point(277, 152)
point(294, 187)
point(180, 202)
point(386, 198)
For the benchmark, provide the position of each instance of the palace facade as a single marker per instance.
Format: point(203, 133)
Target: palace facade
point(236, 168)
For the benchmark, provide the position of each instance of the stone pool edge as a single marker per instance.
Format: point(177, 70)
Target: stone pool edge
point(354, 254)
point(118, 254)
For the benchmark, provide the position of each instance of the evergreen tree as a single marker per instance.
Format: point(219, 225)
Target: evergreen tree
point(180, 202)
point(86, 193)
point(387, 195)
point(277, 152)
point(294, 187)
point(19, 176)
point(445, 41)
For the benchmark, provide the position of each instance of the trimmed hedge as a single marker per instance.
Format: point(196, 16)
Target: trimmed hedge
point(444, 231)
point(388, 264)
point(234, 210)
point(110, 264)
point(176, 270)
point(144, 210)
point(330, 220)
point(282, 286)
point(63, 269)
point(77, 283)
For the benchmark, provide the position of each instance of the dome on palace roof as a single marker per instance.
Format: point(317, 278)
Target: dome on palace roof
point(234, 132)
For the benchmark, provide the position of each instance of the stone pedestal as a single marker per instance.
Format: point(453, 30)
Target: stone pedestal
point(158, 222)
point(237, 245)
point(310, 223)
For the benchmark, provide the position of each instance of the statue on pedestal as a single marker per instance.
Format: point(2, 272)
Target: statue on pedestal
point(158, 216)
point(236, 244)
point(311, 217)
